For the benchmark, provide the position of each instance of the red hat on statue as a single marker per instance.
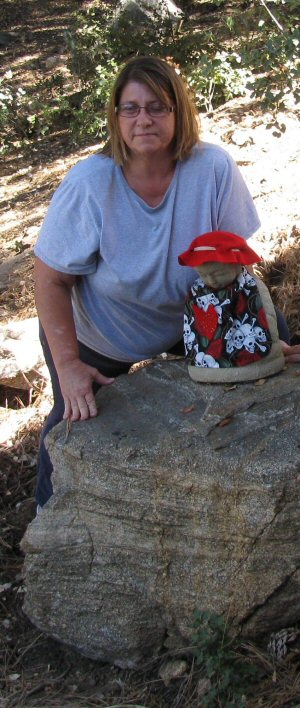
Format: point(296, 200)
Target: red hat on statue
point(221, 246)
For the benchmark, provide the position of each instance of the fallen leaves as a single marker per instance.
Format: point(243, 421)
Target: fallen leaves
point(188, 409)
point(224, 422)
point(260, 382)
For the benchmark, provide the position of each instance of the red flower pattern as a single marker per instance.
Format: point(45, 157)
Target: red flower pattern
point(245, 357)
point(215, 348)
point(262, 320)
point(206, 322)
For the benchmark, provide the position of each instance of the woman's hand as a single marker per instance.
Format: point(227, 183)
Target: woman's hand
point(290, 353)
point(53, 301)
point(76, 381)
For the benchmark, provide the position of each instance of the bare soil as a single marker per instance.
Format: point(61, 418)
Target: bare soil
point(37, 671)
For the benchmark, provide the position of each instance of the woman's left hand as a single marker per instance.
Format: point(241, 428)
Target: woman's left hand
point(291, 353)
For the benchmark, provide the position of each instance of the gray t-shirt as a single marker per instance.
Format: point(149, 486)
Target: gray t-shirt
point(129, 303)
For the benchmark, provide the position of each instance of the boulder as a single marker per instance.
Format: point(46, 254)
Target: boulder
point(178, 496)
point(144, 11)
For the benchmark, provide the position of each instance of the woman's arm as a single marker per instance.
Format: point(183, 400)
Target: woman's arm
point(54, 307)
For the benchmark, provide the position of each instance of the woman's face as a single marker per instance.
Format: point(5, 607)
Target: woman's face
point(146, 135)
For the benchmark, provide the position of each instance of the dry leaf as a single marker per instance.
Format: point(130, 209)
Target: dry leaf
point(230, 388)
point(224, 422)
point(260, 382)
point(189, 409)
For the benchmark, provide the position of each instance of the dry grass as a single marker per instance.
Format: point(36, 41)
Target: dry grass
point(282, 276)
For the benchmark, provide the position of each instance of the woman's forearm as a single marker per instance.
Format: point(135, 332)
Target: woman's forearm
point(54, 307)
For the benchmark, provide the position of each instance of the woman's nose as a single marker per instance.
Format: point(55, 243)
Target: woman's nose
point(143, 115)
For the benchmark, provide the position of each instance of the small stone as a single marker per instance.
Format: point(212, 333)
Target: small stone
point(5, 586)
point(172, 670)
point(203, 686)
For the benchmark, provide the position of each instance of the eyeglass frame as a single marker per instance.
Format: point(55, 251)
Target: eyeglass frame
point(167, 109)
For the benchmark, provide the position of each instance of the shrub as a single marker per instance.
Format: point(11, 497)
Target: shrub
point(23, 114)
point(222, 54)
point(258, 54)
point(229, 674)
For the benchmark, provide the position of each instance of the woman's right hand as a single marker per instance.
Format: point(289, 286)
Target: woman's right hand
point(53, 301)
point(76, 381)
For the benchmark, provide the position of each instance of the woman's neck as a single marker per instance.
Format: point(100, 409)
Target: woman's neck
point(150, 179)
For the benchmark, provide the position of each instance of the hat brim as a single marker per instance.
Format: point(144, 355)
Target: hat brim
point(196, 258)
point(220, 246)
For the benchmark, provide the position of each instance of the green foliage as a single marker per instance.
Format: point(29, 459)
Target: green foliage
point(100, 42)
point(11, 102)
point(222, 51)
point(218, 79)
point(259, 54)
point(19, 246)
point(23, 115)
point(230, 676)
point(276, 68)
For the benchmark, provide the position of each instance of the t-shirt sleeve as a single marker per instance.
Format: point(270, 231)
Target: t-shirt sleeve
point(235, 207)
point(70, 235)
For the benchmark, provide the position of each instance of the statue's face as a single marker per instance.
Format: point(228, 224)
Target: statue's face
point(218, 275)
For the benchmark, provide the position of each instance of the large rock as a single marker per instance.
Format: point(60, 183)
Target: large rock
point(144, 11)
point(177, 496)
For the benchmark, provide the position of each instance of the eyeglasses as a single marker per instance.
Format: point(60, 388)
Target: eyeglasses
point(154, 109)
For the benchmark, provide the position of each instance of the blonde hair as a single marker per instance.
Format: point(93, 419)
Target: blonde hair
point(164, 81)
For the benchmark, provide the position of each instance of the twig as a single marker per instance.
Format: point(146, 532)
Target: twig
point(68, 428)
point(30, 383)
point(27, 648)
point(271, 15)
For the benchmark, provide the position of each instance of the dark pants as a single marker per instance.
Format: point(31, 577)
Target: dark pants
point(283, 330)
point(108, 367)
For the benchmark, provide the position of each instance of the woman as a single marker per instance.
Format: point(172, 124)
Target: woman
point(109, 289)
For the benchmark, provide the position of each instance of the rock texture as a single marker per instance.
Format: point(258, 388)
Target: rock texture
point(177, 496)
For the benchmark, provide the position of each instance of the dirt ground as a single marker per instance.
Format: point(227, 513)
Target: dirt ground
point(37, 671)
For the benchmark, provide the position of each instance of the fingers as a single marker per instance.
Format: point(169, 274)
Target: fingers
point(76, 380)
point(293, 357)
point(91, 404)
point(291, 353)
point(284, 345)
point(103, 380)
point(81, 408)
point(68, 409)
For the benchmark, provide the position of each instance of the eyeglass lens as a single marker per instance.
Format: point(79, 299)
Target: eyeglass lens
point(153, 109)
